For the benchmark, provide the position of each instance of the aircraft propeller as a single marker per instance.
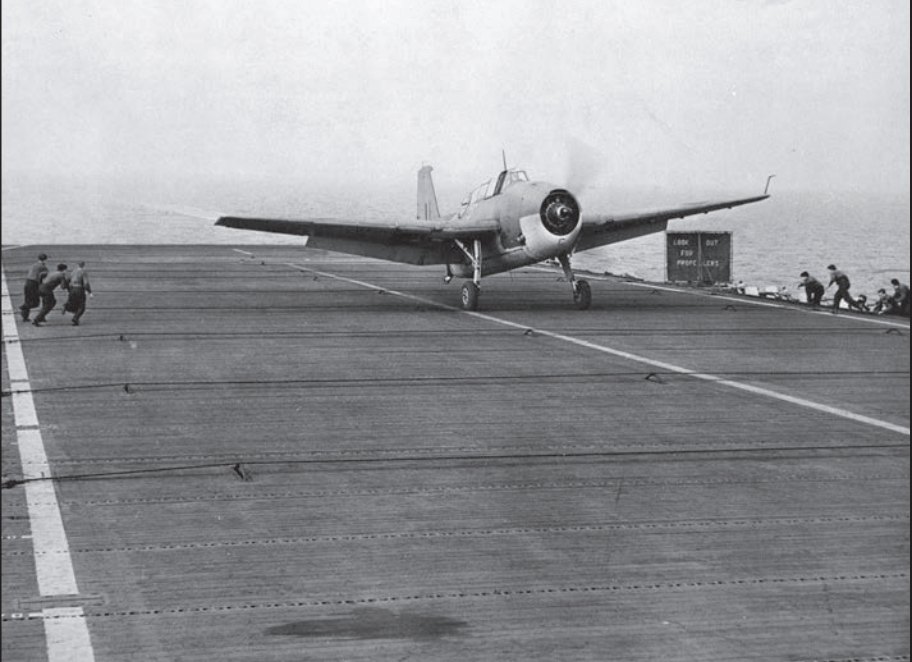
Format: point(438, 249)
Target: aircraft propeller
point(584, 163)
point(560, 213)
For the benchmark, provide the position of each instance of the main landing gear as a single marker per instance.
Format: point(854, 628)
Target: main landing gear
point(470, 293)
point(582, 293)
point(470, 288)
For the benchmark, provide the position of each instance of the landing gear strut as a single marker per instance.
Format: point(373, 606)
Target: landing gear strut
point(582, 293)
point(470, 289)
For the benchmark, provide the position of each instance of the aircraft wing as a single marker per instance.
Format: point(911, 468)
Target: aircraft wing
point(411, 243)
point(602, 229)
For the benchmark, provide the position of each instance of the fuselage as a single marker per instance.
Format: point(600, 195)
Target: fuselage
point(537, 221)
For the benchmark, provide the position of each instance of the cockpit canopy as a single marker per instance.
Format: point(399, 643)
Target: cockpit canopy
point(495, 186)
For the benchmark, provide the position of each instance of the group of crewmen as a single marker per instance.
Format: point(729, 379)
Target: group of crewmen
point(895, 303)
point(40, 284)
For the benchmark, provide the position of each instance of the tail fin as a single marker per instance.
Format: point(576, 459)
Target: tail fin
point(427, 198)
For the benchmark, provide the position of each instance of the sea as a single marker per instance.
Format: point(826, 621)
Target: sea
point(865, 234)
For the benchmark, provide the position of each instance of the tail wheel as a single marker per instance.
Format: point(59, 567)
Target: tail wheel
point(469, 296)
point(582, 296)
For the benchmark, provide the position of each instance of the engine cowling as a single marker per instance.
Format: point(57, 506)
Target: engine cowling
point(554, 229)
point(560, 213)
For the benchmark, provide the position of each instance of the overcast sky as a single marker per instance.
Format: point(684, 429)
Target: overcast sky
point(718, 91)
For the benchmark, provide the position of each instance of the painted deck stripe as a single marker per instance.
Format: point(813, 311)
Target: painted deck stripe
point(66, 630)
point(67, 634)
point(756, 390)
point(24, 409)
point(15, 361)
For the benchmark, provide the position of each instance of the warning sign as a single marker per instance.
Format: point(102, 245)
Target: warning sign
point(699, 257)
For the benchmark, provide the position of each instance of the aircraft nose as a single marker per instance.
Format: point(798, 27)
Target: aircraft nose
point(560, 212)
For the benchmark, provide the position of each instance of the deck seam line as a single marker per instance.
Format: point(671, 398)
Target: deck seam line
point(809, 580)
point(756, 390)
point(66, 629)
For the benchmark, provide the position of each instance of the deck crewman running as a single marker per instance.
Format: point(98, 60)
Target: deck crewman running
point(842, 288)
point(79, 287)
point(46, 290)
point(36, 273)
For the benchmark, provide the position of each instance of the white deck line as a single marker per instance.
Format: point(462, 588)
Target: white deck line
point(66, 630)
point(802, 402)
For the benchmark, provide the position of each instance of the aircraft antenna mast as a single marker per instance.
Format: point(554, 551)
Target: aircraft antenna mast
point(504, 154)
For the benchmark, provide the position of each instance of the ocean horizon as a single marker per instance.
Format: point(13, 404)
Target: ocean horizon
point(865, 234)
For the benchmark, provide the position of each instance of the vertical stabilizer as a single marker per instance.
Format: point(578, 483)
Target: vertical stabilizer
point(427, 198)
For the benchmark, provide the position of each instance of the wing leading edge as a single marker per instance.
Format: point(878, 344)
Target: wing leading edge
point(410, 243)
point(432, 243)
point(603, 229)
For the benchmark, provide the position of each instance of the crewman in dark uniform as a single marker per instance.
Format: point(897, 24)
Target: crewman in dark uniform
point(46, 290)
point(884, 303)
point(842, 288)
point(36, 274)
point(900, 297)
point(79, 286)
point(813, 288)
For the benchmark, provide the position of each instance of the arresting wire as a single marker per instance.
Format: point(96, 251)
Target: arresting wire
point(239, 467)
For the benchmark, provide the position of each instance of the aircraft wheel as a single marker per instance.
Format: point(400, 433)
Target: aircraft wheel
point(469, 296)
point(583, 295)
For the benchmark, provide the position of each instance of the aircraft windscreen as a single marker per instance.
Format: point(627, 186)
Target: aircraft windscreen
point(503, 180)
point(492, 187)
